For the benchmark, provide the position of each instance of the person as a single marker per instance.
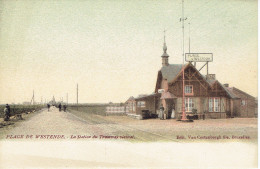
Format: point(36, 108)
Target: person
point(64, 107)
point(161, 112)
point(48, 105)
point(7, 111)
point(59, 107)
point(173, 114)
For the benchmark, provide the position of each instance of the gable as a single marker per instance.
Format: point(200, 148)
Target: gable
point(173, 73)
point(191, 73)
point(158, 82)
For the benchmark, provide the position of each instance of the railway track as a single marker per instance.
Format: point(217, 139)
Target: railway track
point(120, 127)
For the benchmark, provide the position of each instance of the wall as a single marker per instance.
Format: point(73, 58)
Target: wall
point(247, 110)
point(149, 105)
point(201, 104)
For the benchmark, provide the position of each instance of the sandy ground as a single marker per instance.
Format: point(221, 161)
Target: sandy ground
point(154, 143)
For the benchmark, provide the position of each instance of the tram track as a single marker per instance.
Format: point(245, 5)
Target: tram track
point(115, 126)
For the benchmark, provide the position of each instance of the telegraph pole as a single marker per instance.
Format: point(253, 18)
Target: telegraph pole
point(77, 95)
point(32, 100)
point(184, 118)
point(67, 99)
point(189, 37)
point(189, 44)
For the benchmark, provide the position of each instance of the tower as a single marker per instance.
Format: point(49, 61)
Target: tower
point(53, 100)
point(165, 56)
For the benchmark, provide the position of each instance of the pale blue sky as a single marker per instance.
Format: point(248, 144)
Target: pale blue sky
point(113, 48)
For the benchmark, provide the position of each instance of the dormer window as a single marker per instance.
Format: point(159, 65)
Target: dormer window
point(243, 102)
point(188, 90)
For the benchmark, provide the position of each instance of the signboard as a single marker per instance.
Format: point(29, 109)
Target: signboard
point(198, 57)
point(160, 90)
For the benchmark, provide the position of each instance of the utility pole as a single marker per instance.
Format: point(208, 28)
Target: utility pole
point(184, 118)
point(32, 100)
point(189, 44)
point(189, 37)
point(67, 99)
point(77, 95)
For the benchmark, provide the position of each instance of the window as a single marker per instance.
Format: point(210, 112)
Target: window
point(127, 109)
point(131, 106)
point(188, 89)
point(243, 102)
point(211, 104)
point(214, 104)
point(189, 104)
point(141, 104)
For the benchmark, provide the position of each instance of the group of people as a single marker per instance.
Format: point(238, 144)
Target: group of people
point(7, 110)
point(164, 114)
point(64, 107)
point(59, 106)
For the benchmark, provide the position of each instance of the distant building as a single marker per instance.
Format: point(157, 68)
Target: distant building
point(203, 94)
point(52, 102)
point(26, 103)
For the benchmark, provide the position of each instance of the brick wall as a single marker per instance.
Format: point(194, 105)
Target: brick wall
point(247, 109)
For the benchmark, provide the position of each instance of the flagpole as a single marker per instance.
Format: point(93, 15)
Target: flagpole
point(184, 118)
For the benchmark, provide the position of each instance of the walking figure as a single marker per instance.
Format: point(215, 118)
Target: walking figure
point(161, 112)
point(64, 107)
point(48, 105)
point(59, 107)
point(7, 112)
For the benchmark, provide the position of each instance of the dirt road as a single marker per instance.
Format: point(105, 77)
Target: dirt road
point(77, 125)
point(51, 150)
point(53, 125)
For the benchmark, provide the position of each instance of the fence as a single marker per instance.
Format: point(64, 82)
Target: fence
point(115, 110)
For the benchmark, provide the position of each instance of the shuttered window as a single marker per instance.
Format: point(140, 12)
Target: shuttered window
point(211, 104)
point(214, 104)
point(189, 104)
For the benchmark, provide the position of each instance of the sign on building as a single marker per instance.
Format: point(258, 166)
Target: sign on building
point(160, 90)
point(198, 57)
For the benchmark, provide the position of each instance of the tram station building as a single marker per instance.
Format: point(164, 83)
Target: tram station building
point(204, 95)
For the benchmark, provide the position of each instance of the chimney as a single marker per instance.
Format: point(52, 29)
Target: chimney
point(211, 77)
point(226, 85)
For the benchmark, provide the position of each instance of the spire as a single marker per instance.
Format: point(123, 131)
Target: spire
point(165, 55)
point(164, 44)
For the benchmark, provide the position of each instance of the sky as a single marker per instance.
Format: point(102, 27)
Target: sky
point(113, 48)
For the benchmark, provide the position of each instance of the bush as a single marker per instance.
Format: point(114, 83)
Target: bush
point(18, 109)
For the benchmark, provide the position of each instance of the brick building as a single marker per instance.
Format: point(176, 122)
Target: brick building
point(203, 94)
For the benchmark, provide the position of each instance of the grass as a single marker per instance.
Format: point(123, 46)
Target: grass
point(90, 109)
point(18, 109)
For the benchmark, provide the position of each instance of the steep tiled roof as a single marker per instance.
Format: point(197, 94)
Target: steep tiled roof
point(230, 92)
point(146, 96)
point(168, 95)
point(171, 71)
point(131, 98)
point(210, 81)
